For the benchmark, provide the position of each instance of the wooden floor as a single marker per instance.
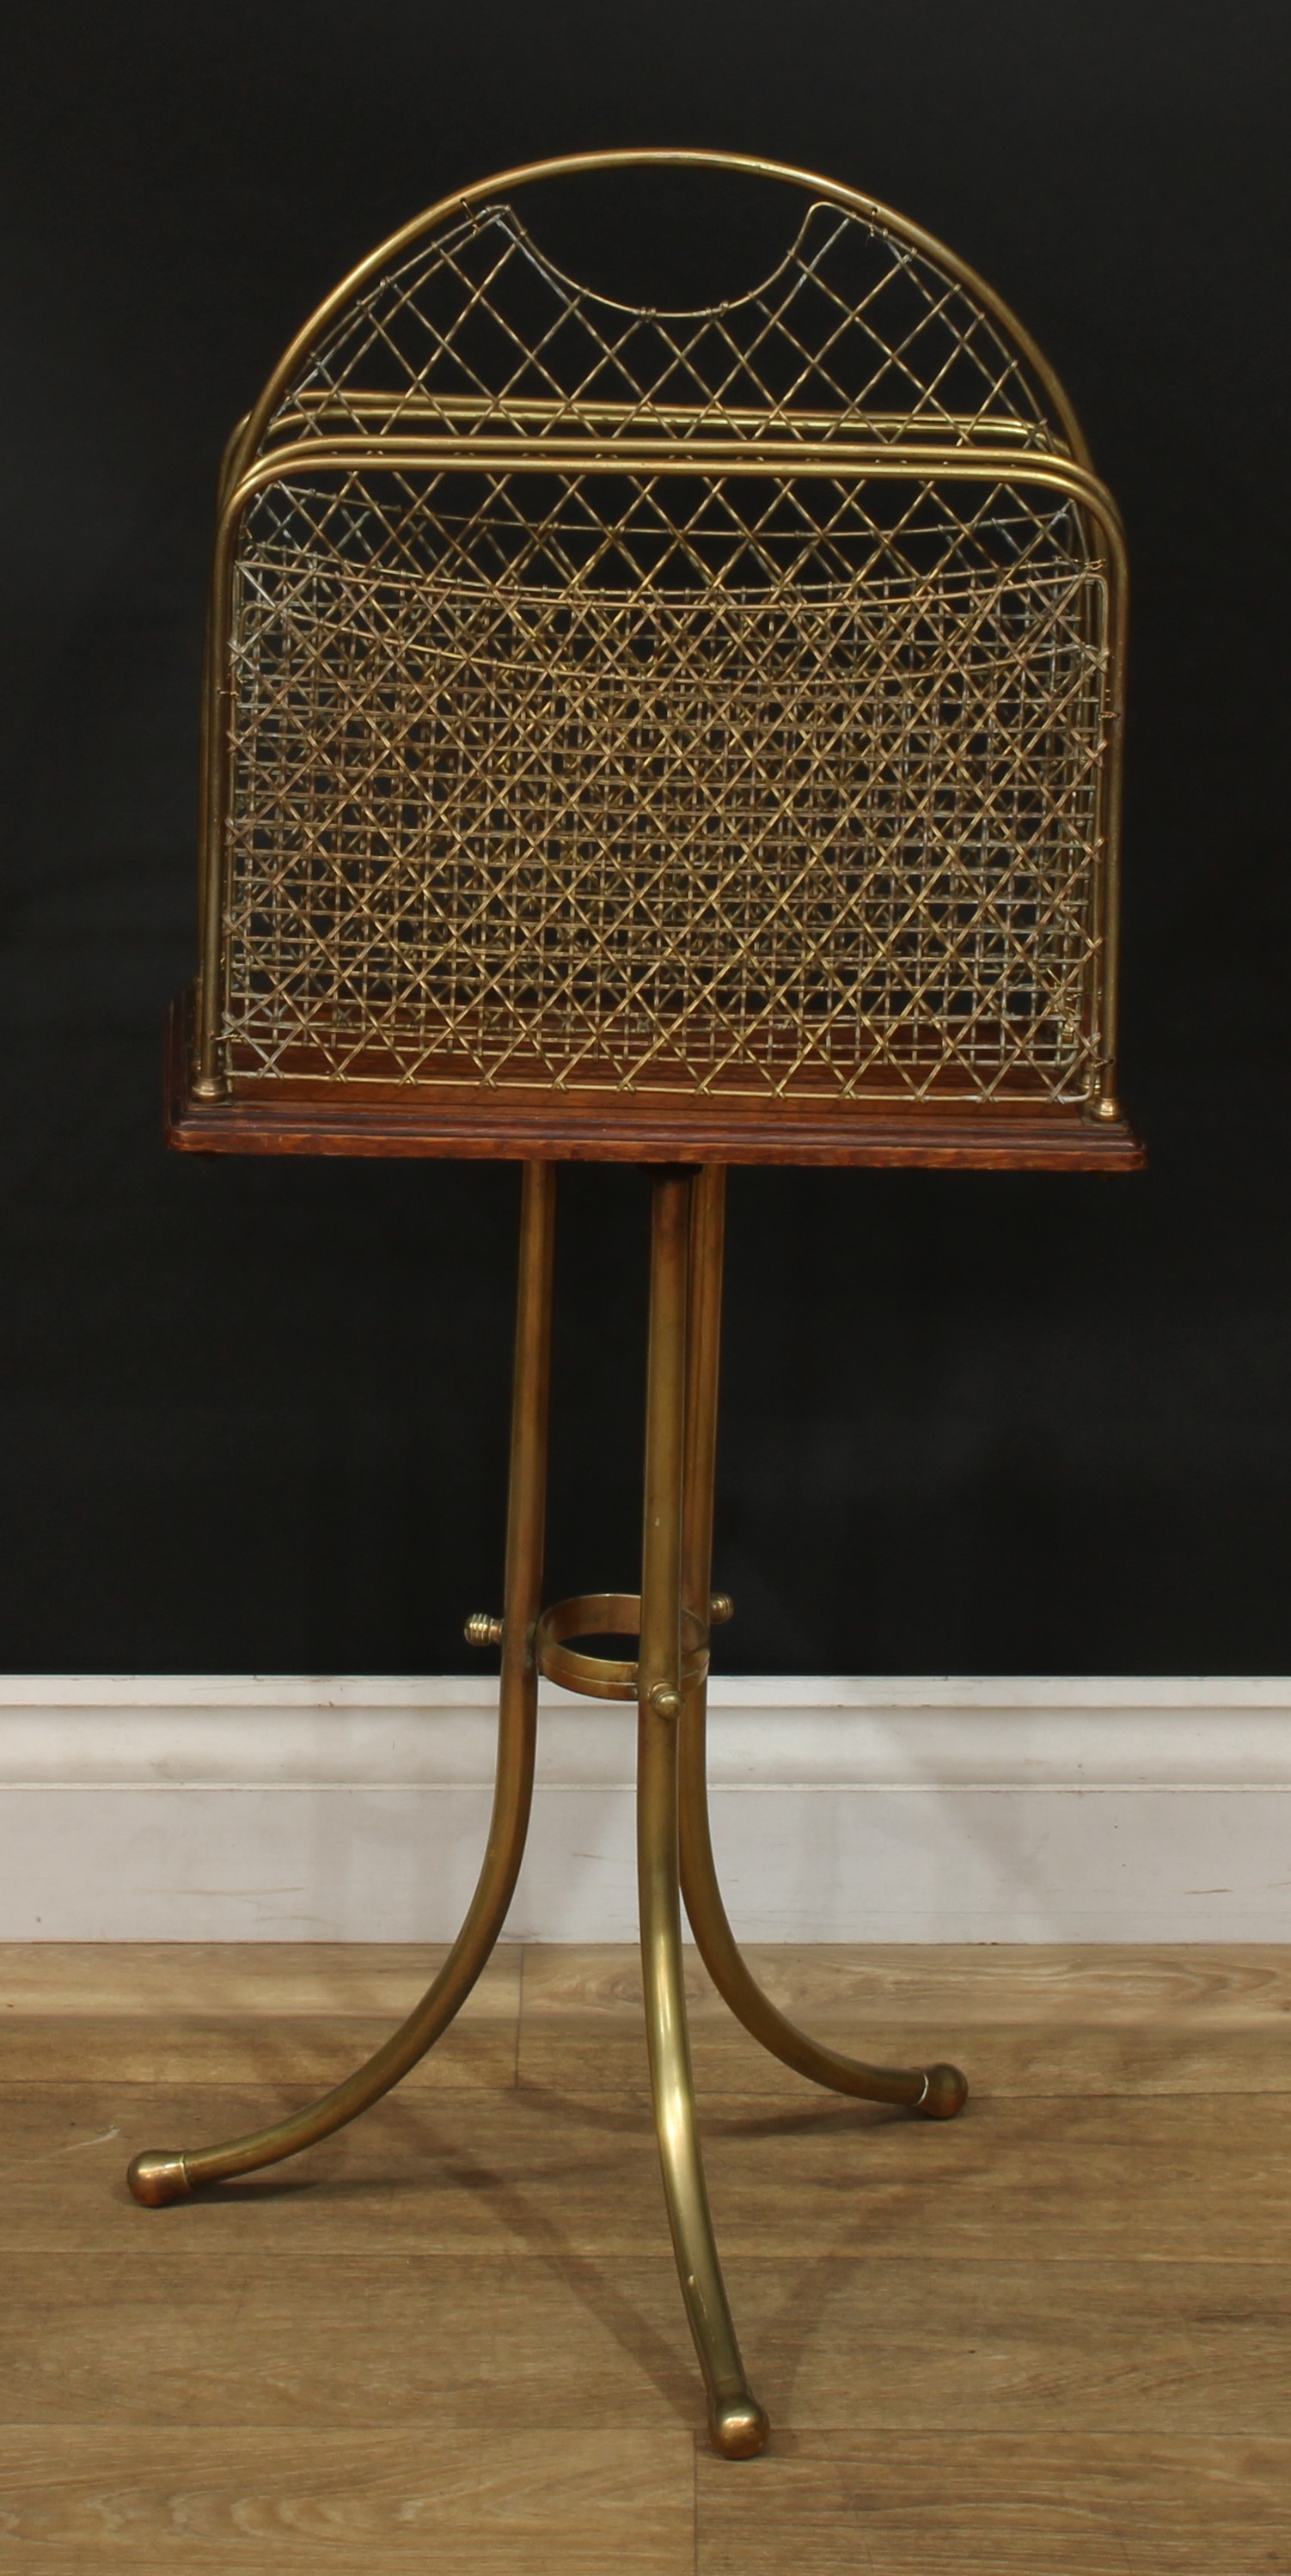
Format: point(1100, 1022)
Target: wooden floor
point(1054, 2335)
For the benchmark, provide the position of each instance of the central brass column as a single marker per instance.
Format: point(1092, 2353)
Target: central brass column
point(738, 2424)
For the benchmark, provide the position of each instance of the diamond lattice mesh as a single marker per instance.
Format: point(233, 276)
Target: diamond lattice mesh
point(857, 328)
point(768, 782)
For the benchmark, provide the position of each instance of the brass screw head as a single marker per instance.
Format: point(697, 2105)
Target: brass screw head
point(482, 1629)
point(665, 1701)
point(720, 1609)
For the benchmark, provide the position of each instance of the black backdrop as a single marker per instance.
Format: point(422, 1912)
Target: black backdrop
point(255, 1412)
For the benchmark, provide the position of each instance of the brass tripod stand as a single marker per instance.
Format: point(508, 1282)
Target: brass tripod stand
point(674, 1849)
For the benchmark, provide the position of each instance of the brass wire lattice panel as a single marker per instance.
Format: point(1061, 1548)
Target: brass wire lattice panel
point(856, 330)
point(829, 834)
point(714, 705)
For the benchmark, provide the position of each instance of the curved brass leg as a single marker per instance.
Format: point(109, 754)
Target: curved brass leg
point(938, 2091)
point(736, 2421)
point(163, 2175)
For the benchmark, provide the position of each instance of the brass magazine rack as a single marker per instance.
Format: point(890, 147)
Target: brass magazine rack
point(672, 737)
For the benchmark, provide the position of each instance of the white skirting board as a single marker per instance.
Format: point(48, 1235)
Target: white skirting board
point(174, 1808)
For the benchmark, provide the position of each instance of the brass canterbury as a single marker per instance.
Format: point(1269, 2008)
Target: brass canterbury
point(688, 737)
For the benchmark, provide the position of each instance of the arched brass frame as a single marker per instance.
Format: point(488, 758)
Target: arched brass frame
point(572, 165)
point(674, 1851)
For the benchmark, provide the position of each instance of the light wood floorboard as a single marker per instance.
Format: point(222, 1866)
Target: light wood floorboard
point(1054, 2335)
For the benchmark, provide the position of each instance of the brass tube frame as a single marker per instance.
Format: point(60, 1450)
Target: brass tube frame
point(938, 2091)
point(168, 2174)
point(736, 2421)
point(674, 1849)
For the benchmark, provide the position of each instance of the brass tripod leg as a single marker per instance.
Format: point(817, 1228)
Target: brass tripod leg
point(736, 2420)
point(162, 2175)
point(938, 2091)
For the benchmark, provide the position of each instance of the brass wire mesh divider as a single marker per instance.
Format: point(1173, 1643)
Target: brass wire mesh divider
point(672, 845)
point(682, 737)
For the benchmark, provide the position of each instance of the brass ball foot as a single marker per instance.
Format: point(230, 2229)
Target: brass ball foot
point(159, 2176)
point(738, 2428)
point(947, 2092)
